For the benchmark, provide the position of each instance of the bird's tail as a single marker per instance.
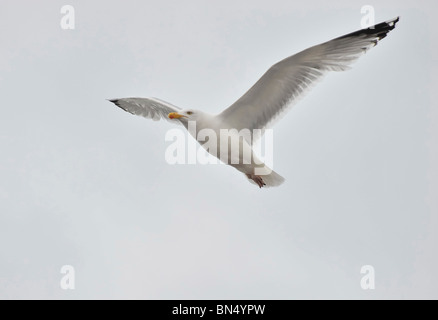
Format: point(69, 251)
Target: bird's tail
point(273, 179)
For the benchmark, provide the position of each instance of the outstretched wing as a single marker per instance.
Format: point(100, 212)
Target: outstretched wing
point(150, 108)
point(286, 81)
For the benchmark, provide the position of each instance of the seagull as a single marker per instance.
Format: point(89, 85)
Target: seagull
point(265, 102)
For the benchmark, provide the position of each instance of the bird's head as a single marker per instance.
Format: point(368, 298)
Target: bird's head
point(188, 115)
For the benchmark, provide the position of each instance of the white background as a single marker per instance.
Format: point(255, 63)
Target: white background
point(83, 183)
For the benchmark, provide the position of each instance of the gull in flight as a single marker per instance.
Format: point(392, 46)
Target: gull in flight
point(267, 100)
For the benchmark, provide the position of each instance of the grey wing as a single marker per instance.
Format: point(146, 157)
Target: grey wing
point(280, 87)
point(150, 108)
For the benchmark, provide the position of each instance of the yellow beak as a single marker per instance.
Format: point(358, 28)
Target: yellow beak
point(175, 115)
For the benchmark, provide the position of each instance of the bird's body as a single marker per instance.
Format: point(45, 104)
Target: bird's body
point(233, 132)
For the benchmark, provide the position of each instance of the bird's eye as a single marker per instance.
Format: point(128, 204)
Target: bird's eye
point(189, 112)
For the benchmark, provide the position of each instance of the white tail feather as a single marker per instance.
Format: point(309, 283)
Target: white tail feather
point(272, 180)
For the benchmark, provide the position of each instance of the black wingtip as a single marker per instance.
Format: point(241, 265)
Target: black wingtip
point(378, 31)
point(382, 29)
point(117, 103)
point(384, 26)
point(395, 20)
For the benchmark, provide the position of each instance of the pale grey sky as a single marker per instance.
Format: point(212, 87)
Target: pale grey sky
point(83, 183)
